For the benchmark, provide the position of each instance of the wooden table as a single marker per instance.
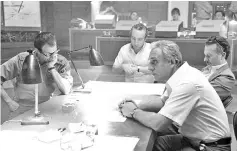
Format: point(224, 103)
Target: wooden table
point(93, 107)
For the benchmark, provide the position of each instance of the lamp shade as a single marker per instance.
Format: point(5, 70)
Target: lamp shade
point(95, 58)
point(31, 72)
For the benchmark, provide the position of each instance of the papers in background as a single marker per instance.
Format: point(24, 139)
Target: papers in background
point(113, 143)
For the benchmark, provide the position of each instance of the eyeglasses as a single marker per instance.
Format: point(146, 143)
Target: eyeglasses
point(51, 54)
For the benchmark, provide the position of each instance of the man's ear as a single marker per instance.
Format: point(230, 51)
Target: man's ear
point(224, 54)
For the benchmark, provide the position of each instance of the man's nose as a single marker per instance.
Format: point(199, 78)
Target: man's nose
point(136, 41)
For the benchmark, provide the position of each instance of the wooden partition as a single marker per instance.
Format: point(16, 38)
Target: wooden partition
point(191, 49)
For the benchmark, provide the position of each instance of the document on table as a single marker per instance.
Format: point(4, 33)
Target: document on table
point(114, 143)
point(16, 140)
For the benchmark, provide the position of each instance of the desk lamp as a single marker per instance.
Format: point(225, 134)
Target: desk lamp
point(31, 74)
point(95, 60)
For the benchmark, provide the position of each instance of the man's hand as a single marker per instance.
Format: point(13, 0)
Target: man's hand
point(13, 105)
point(126, 109)
point(129, 68)
point(52, 60)
point(125, 101)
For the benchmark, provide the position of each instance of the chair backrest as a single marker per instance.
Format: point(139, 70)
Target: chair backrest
point(235, 124)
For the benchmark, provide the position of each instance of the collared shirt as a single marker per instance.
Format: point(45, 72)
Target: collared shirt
point(212, 69)
point(194, 105)
point(25, 93)
point(127, 55)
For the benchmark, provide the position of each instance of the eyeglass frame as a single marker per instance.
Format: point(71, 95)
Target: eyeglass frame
point(51, 54)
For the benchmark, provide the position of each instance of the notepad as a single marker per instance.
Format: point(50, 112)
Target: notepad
point(49, 136)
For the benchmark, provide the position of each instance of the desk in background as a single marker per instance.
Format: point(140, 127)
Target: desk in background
point(192, 49)
point(80, 38)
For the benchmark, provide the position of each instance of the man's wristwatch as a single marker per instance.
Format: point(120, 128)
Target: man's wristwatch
point(132, 113)
point(138, 69)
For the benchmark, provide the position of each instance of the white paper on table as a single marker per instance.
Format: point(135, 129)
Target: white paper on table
point(15, 140)
point(49, 136)
point(114, 143)
point(115, 116)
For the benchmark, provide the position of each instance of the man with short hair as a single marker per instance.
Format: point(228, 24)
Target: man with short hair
point(190, 101)
point(217, 50)
point(219, 15)
point(133, 57)
point(55, 69)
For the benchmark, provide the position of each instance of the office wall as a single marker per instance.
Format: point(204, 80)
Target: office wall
point(183, 8)
point(56, 15)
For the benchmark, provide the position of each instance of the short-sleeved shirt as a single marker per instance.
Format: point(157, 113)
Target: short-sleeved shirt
point(25, 93)
point(127, 55)
point(194, 105)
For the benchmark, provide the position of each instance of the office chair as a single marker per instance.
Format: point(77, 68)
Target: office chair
point(235, 124)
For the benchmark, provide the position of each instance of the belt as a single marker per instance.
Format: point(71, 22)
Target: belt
point(223, 141)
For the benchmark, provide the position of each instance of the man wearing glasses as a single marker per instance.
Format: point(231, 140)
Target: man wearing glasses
point(217, 50)
point(55, 69)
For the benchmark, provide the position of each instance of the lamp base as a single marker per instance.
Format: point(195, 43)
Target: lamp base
point(35, 120)
point(82, 90)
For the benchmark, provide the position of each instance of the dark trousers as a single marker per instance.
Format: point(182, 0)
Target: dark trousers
point(171, 140)
point(179, 143)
